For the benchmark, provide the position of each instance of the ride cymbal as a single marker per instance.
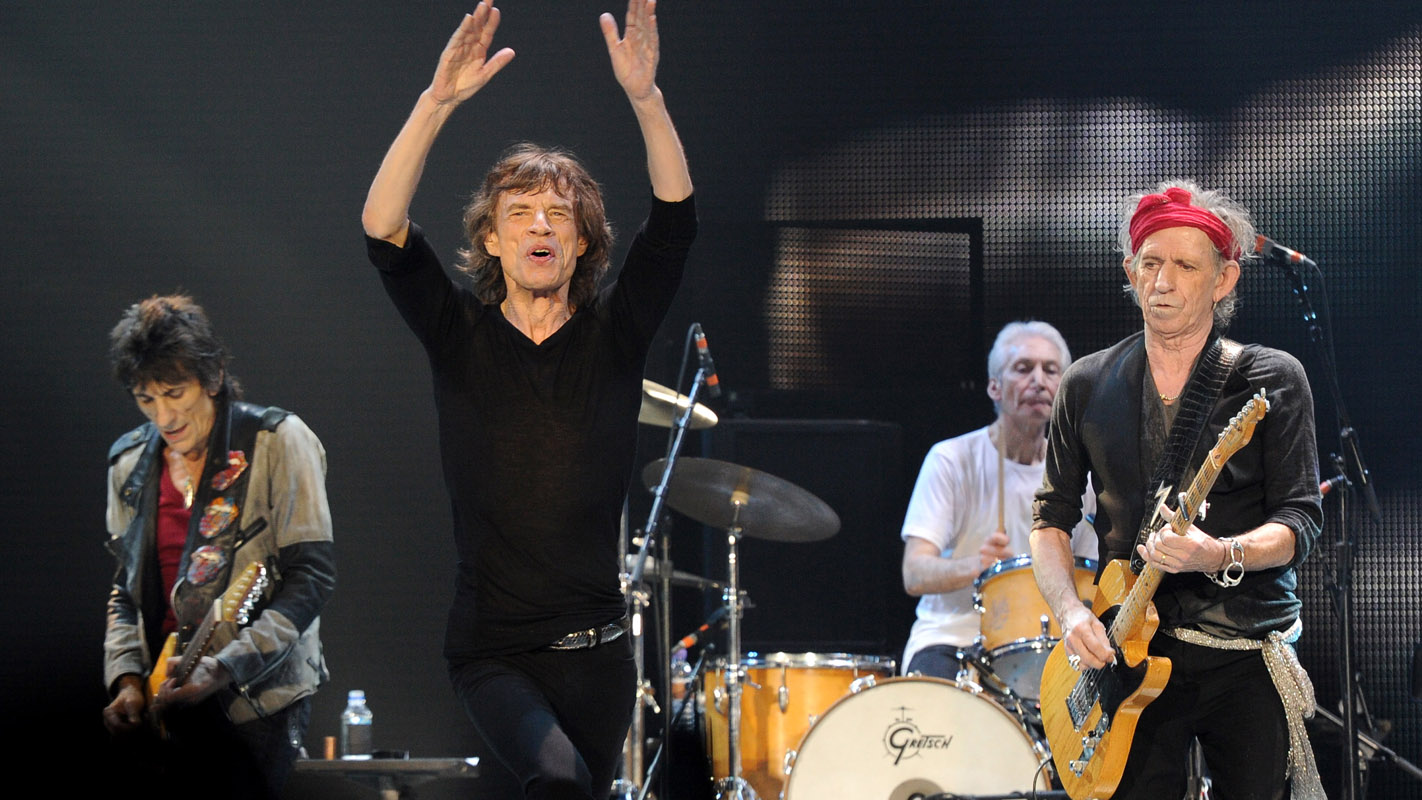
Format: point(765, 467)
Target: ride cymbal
point(770, 508)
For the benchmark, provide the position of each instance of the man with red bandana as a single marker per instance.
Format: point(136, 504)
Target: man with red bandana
point(537, 382)
point(1228, 607)
point(952, 530)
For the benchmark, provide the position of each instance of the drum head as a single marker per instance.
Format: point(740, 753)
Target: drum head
point(915, 736)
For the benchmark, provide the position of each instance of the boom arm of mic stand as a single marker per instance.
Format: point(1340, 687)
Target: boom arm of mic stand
point(659, 493)
point(1355, 454)
point(1346, 433)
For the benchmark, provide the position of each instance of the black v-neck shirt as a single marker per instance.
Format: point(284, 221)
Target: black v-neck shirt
point(538, 441)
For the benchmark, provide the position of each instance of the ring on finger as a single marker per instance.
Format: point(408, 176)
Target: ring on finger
point(1074, 661)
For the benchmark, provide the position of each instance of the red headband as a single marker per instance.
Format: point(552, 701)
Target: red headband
point(1173, 210)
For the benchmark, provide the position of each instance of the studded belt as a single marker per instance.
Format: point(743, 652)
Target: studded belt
point(592, 637)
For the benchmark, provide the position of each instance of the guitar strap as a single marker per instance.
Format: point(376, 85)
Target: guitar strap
point(1196, 404)
point(216, 530)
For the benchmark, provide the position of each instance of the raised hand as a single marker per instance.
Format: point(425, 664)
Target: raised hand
point(465, 65)
point(635, 54)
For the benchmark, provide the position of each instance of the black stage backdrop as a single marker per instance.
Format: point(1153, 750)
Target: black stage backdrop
point(881, 185)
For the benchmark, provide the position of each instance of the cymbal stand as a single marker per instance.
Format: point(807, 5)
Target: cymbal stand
point(629, 786)
point(649, 535)
point(734, 786)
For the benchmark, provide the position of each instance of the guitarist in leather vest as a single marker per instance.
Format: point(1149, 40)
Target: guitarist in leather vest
point(1227, 605)
point(209, 492)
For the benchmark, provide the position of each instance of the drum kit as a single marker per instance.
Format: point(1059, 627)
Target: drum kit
point(806, 726)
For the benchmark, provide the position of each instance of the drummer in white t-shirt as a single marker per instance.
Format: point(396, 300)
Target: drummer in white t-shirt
point(972, 504)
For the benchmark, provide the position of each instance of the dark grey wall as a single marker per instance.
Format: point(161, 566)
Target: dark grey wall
point(224, 149)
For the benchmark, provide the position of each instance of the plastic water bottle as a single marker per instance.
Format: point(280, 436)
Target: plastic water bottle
point(356, 729)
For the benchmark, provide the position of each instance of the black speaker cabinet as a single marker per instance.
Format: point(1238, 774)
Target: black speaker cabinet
point(841, 594)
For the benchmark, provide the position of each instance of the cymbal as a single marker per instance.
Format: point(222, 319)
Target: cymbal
point(661, 406)
point(770, 508)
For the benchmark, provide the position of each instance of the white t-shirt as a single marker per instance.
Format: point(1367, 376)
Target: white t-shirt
point(954, 506)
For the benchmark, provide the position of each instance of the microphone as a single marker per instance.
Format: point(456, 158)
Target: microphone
point(1271, 250)
point(1331, 484)
point(713, 383)
point(691, 638)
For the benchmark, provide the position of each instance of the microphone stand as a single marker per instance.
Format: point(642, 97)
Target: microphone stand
point(1346, 547)
point(649, 535)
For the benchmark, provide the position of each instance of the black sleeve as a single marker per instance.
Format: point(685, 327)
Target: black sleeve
point(416, 282)
point(652, 270)
point(1058, 501)
point(308, 577)
point(1291, 495)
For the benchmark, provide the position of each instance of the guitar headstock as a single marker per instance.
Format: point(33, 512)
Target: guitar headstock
point(1240, 429)
point(241, 597)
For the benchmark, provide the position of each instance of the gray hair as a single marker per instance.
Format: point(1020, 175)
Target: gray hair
point(1012, 333)
point(1232, 214)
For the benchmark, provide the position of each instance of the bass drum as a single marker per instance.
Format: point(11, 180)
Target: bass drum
point(906, 737)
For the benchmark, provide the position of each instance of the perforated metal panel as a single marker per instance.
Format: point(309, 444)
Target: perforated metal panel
point(907, 292)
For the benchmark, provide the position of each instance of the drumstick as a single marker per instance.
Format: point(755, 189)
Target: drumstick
point(1001, 488)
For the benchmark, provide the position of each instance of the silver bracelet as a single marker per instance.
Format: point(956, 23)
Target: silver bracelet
point(1233, 572)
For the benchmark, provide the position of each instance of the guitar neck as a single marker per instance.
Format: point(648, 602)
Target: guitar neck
point(1134, 606)
point(198, 644)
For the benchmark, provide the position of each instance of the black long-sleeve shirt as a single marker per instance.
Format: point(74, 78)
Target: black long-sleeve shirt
point(1103, 425)
point(538, 441)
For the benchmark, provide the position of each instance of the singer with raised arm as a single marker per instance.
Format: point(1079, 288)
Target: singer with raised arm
point(538, 382)
point(1139, 419)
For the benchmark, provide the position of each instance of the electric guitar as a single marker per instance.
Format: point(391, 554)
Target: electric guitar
point(235, 605)
point(1090, 716)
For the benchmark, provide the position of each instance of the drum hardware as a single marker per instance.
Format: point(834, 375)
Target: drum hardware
point(769, 508)
point(1018, 631)
point(860, 684)
point(733, 786)
point(916, 737)
point(742, 502)
point(665, 408)
point(627, 786)
point(811, 683)
point(658, 568)
point(661, 407)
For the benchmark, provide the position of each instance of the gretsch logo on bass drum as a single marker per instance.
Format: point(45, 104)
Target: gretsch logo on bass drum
point(903, 739)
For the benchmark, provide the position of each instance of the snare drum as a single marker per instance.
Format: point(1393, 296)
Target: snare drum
point(905, 737)
point(781, 697)
point(1019, 629)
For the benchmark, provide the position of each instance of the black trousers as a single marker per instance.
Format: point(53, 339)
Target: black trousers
point(1224, 698)
point(936, 661)
point(205, 750)
point(555, 718)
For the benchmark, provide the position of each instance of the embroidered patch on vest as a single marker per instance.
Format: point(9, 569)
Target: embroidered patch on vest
point(206, 563)
point(236, 464)
point(216, 517)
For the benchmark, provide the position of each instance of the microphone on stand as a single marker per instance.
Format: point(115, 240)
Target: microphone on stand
point(703, 352)
point(1271, 250)
point(1331, 484)
point(692, 638)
